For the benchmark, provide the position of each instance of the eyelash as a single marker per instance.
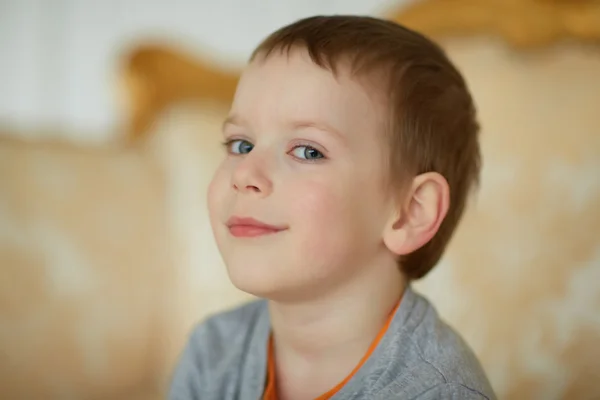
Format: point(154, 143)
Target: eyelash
point(227, 145)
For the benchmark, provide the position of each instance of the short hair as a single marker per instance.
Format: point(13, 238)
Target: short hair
point(433, 124)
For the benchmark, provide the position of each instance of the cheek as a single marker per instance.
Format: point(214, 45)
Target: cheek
point(332, 215)
point(323, 215)
point(315, 203)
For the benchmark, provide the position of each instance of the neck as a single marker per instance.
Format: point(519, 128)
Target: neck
point(318, 342)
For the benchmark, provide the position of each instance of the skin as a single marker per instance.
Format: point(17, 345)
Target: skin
point(306, 152)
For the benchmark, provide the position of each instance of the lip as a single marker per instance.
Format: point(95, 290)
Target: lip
point(250, 227)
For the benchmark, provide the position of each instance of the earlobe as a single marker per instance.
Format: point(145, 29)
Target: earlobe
point(425, 207)
point(396, 236)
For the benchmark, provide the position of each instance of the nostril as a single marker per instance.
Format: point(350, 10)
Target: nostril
point(250, 188)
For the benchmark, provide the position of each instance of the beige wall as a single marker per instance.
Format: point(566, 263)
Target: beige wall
point(108, 259)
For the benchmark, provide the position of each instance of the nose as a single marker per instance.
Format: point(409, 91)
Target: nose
point(250, 176)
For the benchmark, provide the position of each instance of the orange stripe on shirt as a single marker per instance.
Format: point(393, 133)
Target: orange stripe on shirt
point(271, 388)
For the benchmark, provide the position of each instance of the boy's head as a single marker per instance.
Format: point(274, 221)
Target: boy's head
point(356, 140)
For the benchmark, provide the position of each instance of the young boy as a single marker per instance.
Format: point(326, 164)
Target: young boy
point(351, 150)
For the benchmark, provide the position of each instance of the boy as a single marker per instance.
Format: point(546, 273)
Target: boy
point(351, 150)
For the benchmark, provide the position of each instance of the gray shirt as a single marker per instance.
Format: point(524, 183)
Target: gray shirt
point(419, 357)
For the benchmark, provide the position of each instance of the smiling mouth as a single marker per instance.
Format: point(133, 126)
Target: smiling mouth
point(250, 227)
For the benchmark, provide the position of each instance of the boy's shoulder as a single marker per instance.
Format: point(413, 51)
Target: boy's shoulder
point(218, 358)
point(231, 325)
point(224, 334)
point(423, 357)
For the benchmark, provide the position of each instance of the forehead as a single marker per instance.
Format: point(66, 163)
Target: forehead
point(291, 85)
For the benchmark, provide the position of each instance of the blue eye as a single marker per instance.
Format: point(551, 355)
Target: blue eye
point(307, 153)
point(239, 146)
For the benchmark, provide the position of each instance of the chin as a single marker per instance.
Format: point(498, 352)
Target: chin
point(263, 282)
point(255, 281)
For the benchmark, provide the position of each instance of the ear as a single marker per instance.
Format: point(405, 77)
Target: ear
point(422, 212)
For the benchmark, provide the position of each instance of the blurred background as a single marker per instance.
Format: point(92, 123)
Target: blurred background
point(109, 132)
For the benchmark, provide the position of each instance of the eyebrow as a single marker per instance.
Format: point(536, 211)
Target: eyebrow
point(232, 120)
point(320, 125)
point(235, 119)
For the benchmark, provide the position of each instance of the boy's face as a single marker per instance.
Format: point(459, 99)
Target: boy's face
point(306, 156)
